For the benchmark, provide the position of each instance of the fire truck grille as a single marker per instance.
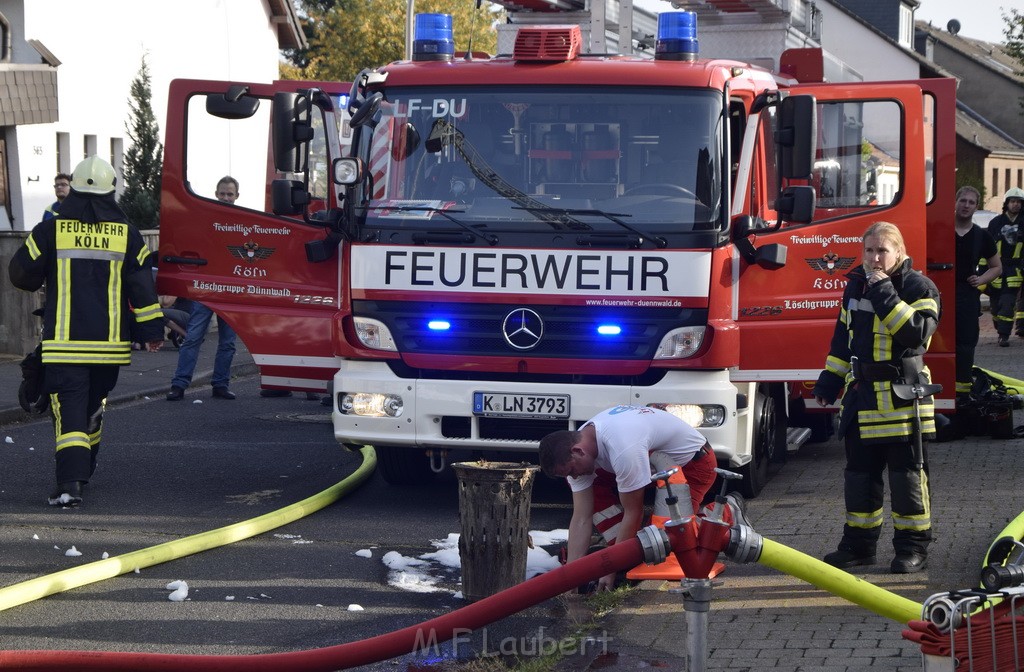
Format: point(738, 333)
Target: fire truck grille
point(551, 331)
point(499, 429)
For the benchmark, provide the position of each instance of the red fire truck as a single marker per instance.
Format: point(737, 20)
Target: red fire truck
point(493, 248)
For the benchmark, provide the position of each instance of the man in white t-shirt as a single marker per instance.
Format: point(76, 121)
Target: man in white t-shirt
point(607, 463)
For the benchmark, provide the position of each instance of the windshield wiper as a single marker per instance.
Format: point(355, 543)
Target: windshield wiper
point(490, 239)
point(443, 132)
point(610, 216)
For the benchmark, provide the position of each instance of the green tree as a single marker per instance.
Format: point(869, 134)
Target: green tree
point(143, 160)
point(1014, 32)
point(968, 174)
point(346, 36)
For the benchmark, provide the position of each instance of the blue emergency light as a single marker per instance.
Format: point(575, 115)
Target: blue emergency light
point(432, 38)
point(439, 325)
point(609, 329)
point(677, 37)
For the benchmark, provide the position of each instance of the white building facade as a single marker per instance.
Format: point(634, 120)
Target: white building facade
point(96, 50)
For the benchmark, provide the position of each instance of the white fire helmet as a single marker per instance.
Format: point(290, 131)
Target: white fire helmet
point(93, 176)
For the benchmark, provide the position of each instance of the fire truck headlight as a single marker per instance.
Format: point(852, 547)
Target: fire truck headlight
point(696, 415)
point(371, 405)
point(680, 343)
point(374, 334)
point(347, 170)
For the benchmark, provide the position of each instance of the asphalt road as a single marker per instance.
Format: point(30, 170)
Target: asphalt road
point(169, 470)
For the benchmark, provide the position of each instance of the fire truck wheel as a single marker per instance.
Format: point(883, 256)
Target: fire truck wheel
point(401, 465)
point(755, 472)
point(780, 397)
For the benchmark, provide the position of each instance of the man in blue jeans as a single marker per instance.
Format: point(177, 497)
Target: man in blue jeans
point(195, 333)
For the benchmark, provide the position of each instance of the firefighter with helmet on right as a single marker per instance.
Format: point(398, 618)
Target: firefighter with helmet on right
point(1004, 290)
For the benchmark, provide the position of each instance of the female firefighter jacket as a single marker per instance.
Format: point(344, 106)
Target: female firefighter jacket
point(100, 294)
point(880, 338)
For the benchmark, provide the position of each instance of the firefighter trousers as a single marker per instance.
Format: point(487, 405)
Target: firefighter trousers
point(78, 396)
point(864, 491)
point(968, 328)
point(698, 473)
point(1003, 307)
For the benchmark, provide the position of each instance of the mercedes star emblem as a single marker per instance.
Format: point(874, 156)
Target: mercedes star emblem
point(522, 329)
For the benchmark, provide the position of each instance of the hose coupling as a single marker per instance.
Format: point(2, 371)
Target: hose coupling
point(655, 544)
point(745, 545)
point(945, 613)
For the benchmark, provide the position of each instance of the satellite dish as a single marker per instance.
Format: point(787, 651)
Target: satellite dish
point(953, 26)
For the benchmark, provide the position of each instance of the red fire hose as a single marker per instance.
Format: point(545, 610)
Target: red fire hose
point(619, 557)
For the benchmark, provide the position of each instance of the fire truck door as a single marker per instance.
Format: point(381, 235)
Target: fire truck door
point(243, 261)
point(872, 163)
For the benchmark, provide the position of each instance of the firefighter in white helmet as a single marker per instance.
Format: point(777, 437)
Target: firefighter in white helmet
point(100, 296)
point(1004, 291)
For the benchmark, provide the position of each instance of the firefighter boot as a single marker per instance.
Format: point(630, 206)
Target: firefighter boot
point(856, 548)
point(66, 494)
point(911, 548)
point(846, 557)
point(908, 563)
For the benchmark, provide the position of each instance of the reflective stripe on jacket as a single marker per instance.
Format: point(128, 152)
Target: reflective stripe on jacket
point(890, 323)
point(98, 289)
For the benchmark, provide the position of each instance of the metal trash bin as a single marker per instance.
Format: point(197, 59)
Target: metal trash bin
point(494, 510)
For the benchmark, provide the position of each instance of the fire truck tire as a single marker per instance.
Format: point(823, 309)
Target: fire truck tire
point(780, 395)
point(400, 465)
point(755, 472)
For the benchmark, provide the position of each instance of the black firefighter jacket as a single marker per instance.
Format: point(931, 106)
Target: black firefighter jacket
point(100, 295)
point(880, 337)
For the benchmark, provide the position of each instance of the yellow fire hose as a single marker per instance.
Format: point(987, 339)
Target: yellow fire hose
point(33, 589)
point(836, 581)
point(1013, 530)
point(1016, 384)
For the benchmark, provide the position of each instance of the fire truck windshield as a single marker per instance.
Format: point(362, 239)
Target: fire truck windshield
point(513, 160)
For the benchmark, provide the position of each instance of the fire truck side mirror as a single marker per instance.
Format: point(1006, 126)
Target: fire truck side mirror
point(292, 130)
point(771, 256)
point(796, 204)
point(232, 105)
point(289, 197)
point(796, 135)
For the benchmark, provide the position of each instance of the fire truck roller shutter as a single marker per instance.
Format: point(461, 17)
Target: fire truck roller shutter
point(452, 178)
point(671, 168)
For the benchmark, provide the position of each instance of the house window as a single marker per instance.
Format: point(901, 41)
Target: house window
point(995, 181)
point(906, 27)
point(64, 153)
point(88, 146)
point(5, 38)
point(1020, 178)
point(117, 160)
point(1007, 178)
point(3, 176)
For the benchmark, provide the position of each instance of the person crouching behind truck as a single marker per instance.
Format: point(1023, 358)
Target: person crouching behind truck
point(886, 322)
point(607, 463)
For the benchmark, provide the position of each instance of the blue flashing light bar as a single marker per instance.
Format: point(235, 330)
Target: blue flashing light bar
point(609, 329)
point(439, 325)
point(432, 38)
point(677, 36)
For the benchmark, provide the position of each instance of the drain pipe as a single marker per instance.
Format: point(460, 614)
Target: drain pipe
point(650, 545)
